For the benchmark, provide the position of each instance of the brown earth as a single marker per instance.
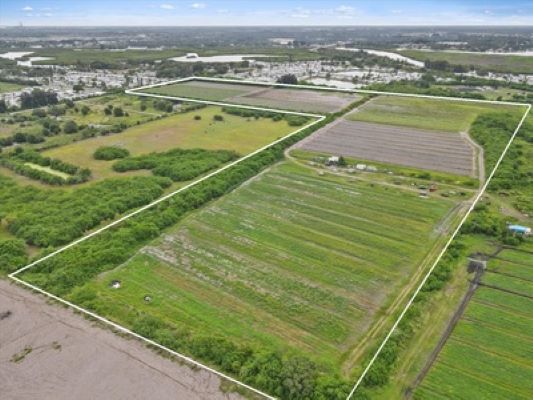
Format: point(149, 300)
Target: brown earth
point(297, 99)
point(439, 151)
point(48, 352)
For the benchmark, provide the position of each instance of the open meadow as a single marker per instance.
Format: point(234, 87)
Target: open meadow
point(183, 130)
point(489, 352)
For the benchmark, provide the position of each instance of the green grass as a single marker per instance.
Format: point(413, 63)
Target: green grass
point(490, 350)
point(6, 87)
point(180, 130)
point(291, 261)
point(490, 62)
point(439, 115)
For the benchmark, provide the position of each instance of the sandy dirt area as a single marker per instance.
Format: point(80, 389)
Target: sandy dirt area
point(49, 352)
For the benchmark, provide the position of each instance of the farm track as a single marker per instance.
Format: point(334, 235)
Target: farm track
point(474, 284)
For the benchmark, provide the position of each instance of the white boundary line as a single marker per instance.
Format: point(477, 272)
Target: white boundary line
point(320, 118)
point(480, 193)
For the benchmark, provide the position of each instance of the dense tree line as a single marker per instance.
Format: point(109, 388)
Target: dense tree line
point(493, 131)
point(110, 153)
point(177, 164)
point(38, 98)
point(41, 218)
point(12, 255)
point(292, 119)
point(18, 159)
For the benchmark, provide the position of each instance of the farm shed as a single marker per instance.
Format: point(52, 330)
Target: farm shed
point(520, 230)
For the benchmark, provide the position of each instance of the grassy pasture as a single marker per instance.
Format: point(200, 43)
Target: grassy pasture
point(439, 115)
point(6, 87)
point(490, 350)
point(291, 261)
point(491, 62)
point(180, 130)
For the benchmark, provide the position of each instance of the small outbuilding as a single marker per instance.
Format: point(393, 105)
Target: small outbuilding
point(520, 230)
point(333, 160)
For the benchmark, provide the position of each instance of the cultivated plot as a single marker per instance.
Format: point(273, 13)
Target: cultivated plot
point(426, 113)
point(298, 267)
point(258, 95)
point(489, 352)
point(292, 262)
point(438, 151)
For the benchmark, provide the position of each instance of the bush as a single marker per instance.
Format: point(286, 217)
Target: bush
point(218, 118)
point(177, 164)
point(110, 153)
point(118, 112)
point(70, 127)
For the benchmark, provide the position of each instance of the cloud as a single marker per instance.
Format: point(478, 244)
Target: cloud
point(27, 8)
point(300, 12)
point(345, 11)
point(48, 14)
point(197, 6)
point(167, 6)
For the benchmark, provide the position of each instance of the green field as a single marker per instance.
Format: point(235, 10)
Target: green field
point(489, 353)
point(180, 130)
point(291, 261)
point(439, 115)
point(6, 87)
point(490, 62)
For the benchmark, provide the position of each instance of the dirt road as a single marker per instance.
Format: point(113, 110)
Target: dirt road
point(48, 352)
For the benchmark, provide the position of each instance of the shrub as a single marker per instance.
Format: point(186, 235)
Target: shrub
point(70, 127)
point(110, 153)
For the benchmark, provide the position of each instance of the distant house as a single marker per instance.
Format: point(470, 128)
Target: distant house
point(361, 167)
point(520, 230)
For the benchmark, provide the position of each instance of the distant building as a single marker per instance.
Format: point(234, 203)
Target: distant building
point(520, 230)
point(191, 55)
point(333, 160)
point(361, 167)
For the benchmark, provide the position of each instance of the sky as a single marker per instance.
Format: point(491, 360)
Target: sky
point(264, 12)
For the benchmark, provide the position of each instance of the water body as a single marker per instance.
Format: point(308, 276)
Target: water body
point(13, 55)
point(388, 54)
point(221, 58)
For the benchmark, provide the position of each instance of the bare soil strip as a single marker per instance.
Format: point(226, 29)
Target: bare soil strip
point(417, 148)
point(48, 352)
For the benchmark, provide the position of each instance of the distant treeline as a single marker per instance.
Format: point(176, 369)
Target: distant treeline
point(292, 119)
